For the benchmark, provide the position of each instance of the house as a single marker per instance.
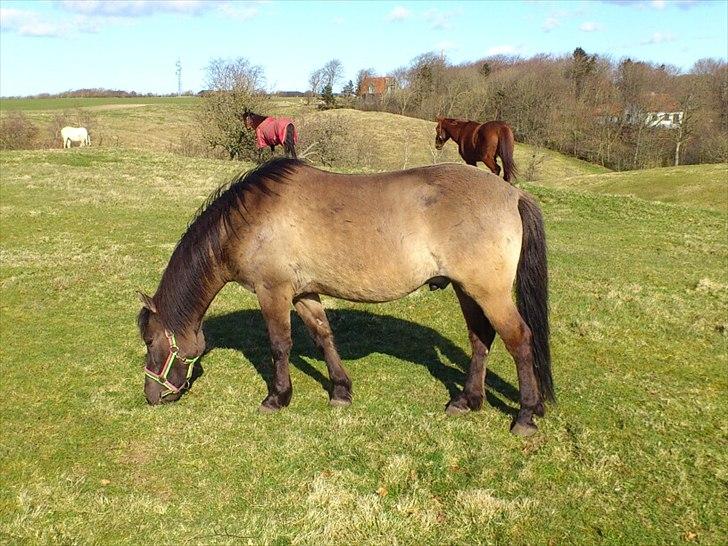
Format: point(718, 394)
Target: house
point(656, 110)
point(376, 87)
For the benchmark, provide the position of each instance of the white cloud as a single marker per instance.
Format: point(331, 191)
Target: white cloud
point(550, 24)
point(656, 4)
point(137, 8)
point(31, 23)
point(590, 26)
point(399, 13)
point(659, 38)
point(504, 50)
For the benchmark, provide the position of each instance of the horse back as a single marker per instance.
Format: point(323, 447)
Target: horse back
point(349, 236)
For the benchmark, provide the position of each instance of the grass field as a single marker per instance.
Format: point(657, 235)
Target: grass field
point(31, 105)
point(704, 186)
point(635, 452)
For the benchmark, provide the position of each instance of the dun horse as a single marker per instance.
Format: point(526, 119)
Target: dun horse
point(289, 232)
point(270, 132)
point(480, 142)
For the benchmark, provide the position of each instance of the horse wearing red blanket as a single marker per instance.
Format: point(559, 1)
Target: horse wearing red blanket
point(270, 132)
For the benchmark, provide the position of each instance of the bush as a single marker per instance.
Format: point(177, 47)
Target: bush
point(17, 132)
point(234, 87)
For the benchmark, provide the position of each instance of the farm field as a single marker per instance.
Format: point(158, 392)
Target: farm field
point(635, 451)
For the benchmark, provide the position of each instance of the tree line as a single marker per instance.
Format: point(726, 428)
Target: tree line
point(584, 105)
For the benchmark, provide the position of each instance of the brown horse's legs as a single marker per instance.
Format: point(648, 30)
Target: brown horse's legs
point(481, 335)
point(275, 304)
point(312, 313)
point(492, 165)
point(516, 335)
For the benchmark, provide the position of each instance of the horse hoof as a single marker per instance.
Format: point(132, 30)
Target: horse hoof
point(339, 403)
point(456, 410)
point(519, 429)
point(265, 410)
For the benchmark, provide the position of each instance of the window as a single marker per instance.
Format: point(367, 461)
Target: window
point(676, 118)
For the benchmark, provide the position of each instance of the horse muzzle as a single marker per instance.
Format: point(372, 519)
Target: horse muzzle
point(157, 394)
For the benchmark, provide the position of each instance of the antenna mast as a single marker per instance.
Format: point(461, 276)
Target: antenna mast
point(178, 64)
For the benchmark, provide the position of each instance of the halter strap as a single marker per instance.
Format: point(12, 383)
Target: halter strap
point(163, 376)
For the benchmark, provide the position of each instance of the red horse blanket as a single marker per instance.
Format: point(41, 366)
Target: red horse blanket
point(272, 131)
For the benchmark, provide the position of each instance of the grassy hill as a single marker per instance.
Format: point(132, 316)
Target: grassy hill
point(634, 452)
point(381, 141)
point(705, 186)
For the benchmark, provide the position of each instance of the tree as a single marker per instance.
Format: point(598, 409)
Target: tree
point(348, 89)
point(582, 66)
point(315, 82)
point(327, 95)
point(235, 85)
point(333, 71)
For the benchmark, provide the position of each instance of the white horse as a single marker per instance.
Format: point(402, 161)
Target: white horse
point(75, 134)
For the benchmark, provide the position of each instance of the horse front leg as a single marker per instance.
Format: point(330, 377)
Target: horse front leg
point(275, 304)
point(312, 313)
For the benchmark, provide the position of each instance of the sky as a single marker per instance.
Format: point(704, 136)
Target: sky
point(53, 46)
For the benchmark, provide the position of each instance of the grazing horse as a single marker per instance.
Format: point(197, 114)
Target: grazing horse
point(480, 142)
point(75, 134)
point(270, 131)
point(288, 232)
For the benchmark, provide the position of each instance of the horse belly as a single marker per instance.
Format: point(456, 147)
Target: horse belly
point(373, 271)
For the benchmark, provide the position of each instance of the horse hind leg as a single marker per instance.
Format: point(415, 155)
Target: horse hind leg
point(516, 335)
point(275, 304)
point(312, 313)
point(481, 334)
point(490, 161)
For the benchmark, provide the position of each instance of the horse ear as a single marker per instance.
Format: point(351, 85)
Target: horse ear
point(147, 301)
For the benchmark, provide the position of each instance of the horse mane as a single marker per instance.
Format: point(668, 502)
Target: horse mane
point(202, 247)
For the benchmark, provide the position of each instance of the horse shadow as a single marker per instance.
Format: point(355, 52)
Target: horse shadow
point(358, 334)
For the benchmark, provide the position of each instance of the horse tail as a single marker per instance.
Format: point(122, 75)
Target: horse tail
point(532, 292)
point(505, 152)
point(289, 145)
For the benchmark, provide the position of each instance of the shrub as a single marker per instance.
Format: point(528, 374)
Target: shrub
point(17, 132)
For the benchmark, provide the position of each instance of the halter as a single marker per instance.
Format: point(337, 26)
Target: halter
point(162, 377)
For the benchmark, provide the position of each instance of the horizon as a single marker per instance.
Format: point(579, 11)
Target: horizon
point(57, 46)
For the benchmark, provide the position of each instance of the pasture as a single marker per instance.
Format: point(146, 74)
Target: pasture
point(635, 451)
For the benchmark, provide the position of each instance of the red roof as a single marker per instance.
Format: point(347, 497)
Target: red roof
point(376, 85)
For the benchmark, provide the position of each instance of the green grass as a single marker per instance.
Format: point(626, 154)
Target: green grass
point(8, 105)
point(635, 452)
point(704, 186)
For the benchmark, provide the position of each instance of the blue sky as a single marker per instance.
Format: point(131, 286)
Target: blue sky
point(52, 46)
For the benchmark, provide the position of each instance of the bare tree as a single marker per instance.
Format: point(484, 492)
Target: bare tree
point(315, 82)
point(333, 71)
point(234, 86)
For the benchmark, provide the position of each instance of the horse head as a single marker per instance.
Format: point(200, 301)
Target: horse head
point(441, 135)
point(170, 357)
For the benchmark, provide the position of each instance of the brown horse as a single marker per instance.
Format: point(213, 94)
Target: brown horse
point(271, 132)
point(480, 142)
point(289, 232)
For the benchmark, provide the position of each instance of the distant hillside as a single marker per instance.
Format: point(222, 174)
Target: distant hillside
point(704, 186)
point(398, 142)
point(375, 141)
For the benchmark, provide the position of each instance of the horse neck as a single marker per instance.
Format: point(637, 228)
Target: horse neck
point(453, 129)
point(256, 120)
point(184, 295)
